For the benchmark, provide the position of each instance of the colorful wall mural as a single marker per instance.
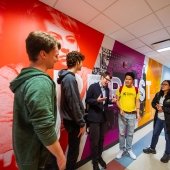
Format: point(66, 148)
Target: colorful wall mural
point(17, 19)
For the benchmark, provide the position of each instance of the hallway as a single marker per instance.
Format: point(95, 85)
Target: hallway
point(141, 140)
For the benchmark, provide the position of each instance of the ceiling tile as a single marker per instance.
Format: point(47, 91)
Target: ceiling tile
point(157, 4)
point(122, 36)
point(163, 57)
point(144, 49)
point(134, 15)
point(79, 10)
point(163, 60)
point(125, 12)
point(108, 42)
point(164, 16)
point(144, 26)
point(134, 43)
point(155, 37)
point(107, 25)
point(100, 4)
point(165, 53)
point(152, 54)
point(49, 2)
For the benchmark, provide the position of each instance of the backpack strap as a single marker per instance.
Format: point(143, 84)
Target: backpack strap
point(136, 89)
point(121, 87)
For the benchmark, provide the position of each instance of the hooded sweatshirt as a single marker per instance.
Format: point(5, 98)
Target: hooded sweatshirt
point(34, 117)
point(71, 105)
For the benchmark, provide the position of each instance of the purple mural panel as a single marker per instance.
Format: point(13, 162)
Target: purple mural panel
point(118, 61)
point(111, 135)
point(125, 59)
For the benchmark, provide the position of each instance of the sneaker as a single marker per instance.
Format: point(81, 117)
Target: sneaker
point(119, 155)
point(131, 154)
point(149, 150)
point(165, 158)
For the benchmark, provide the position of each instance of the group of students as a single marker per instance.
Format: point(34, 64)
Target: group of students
point(35, 137)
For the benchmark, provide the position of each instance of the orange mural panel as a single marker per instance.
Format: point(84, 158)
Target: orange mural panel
point(153, 77)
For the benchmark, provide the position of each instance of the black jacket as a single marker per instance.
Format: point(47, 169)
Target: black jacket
point(71, 105)
point(95, 109)
point(166, 109)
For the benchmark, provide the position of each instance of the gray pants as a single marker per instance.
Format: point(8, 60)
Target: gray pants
point(126, 130)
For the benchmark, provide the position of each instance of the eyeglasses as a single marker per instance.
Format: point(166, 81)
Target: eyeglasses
point(163, 84)
point(107, 79)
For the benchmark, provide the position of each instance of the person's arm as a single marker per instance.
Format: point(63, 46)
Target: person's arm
point(113, 100)
point(74, 102)
point(89, 96)
point(166, 107)
point(118, 104)
point(155, 101)
point(118, 101)
point(138, 109)
point(39, 99)
point(109, 99)
point(57, 151)
point(91, 100)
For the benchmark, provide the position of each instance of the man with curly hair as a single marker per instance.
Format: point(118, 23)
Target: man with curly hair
point(72, 109)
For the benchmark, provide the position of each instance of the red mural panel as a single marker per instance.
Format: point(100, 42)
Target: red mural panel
point(17, 19)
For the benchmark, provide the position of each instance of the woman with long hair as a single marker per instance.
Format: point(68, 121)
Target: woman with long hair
point(161, 104)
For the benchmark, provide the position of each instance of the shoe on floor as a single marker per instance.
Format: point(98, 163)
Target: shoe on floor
point(131, 154)
point(119, 155)
point(102, 162)
point(149, 150)
point(165, 158)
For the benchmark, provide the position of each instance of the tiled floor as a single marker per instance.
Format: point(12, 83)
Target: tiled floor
point(141, 140)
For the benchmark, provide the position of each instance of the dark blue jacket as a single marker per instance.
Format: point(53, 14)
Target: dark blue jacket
point(71, 105)
point(95, 109)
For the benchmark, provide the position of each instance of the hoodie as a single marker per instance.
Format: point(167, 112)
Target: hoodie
point(34, 117)
point(71, 105)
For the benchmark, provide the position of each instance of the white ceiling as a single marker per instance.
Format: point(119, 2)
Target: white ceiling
point(135, 23)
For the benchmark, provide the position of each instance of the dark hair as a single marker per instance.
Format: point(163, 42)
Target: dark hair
point(37, 41)
point(131, 74)
point(161, 92)
point(73, 58)
point(106, 73)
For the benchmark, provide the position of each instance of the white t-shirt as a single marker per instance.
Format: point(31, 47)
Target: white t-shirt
point(161, 114)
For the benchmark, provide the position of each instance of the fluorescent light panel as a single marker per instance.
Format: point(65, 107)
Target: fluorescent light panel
point(162, 45)
point(163, 49)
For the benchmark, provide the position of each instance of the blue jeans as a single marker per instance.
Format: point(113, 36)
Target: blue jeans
point(126, 130)
point(159, 125)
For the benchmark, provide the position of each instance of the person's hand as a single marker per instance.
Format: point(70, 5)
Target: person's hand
point(138, 117)
point(82, 131)
point(101, 99)
point(61, 162)
point(159, 108)
point(122, 112)
point(114, 99)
